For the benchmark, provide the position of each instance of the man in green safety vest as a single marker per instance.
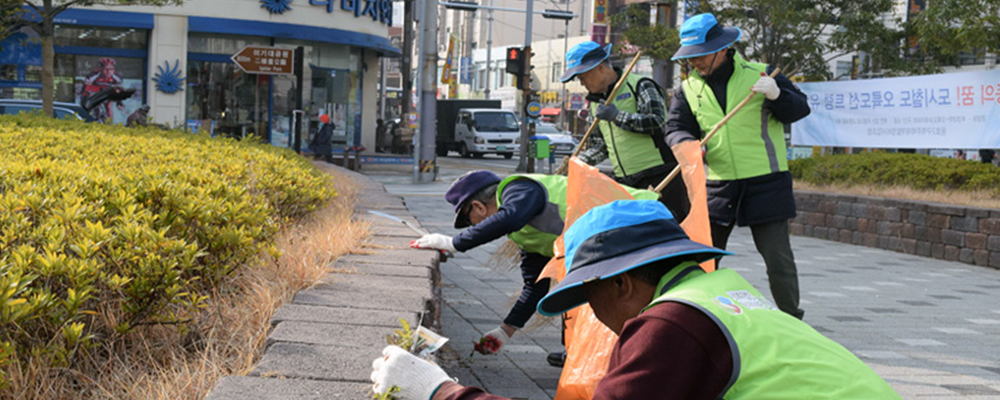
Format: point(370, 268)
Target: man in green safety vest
point(632, 126)
point(682, 333)
point(748, 179)
point(529, 209)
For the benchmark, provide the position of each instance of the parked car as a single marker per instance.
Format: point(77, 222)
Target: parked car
point(61, 110)
point(560, 143)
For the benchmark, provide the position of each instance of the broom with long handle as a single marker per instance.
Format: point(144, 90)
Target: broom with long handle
point(593, 125)
point(677, 169)
point(507, 254)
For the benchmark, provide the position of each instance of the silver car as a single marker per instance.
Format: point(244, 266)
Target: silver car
point(560, 144)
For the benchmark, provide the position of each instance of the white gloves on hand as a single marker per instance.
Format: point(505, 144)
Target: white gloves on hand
point(499, 335)
point(416, 378)
point(434, 241)
point(767, 86)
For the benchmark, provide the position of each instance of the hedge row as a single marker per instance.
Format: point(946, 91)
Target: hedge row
point(916, 171)
point(105, 228)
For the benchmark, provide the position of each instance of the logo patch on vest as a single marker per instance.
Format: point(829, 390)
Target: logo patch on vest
point(749, 301)
point(728, 305)
point(623, 96)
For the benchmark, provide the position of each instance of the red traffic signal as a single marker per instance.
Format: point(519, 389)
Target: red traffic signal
point(515, 60)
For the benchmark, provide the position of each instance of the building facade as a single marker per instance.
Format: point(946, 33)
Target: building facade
point(180, 62)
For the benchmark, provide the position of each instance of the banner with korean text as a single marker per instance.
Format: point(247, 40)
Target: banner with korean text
point(957, 111)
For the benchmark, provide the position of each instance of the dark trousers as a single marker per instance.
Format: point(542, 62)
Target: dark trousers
point(773, 244)
point(325, 157)
point(674, 196)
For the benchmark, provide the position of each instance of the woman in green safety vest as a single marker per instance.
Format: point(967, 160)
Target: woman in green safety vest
point(632, 126)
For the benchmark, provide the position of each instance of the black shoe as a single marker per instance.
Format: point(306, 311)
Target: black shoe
point(556, 359)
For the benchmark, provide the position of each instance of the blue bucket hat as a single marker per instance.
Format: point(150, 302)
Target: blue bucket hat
point(617, 237)
point(465, 187)
point(584, 57)
point(702, 34)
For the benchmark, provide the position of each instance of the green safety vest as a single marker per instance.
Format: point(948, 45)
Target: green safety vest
point(629, 152)
point(541, 232)
point(775, 356)
point(752, 143)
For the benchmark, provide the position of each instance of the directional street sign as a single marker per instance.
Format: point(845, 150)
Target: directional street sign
point(534, 109)
point(265, 60)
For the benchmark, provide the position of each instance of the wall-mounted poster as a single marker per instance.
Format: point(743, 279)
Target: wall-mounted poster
point(94, 74)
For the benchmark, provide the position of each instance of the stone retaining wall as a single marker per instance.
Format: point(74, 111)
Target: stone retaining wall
point(967, 234)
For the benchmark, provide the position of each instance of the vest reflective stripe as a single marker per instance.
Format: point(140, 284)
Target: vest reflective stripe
point(629, 152)
point(539, 234)
point(735, 152)
point(775, 356)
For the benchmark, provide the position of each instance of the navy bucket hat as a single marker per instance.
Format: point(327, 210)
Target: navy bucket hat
point(617, 237)
point(465, 187)
point(584, 57)
point(702, 34)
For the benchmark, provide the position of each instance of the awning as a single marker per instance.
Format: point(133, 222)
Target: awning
point(551, 111)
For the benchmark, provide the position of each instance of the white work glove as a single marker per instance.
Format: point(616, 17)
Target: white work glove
point(434, 241)
point(417, 379)
point(767, 86)
point(499, 337)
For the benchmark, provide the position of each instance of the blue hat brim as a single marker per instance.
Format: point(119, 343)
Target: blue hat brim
point(728, 37)
point(579, 69)
point(569, 293)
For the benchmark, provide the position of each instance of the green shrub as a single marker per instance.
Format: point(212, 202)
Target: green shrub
point(105, 228)
point(916, 171)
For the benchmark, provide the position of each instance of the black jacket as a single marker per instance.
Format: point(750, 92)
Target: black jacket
point(751, 201)
point(322, 141)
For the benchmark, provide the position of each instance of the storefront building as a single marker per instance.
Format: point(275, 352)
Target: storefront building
point(179, 60)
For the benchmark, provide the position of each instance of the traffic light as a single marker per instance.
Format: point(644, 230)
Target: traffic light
point(524, 80)
point(515, 61)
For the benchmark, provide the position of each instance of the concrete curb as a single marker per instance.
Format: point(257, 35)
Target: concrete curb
point(323, 341)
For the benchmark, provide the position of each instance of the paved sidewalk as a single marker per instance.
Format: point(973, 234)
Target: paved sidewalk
point(931, 328)
point(323, 342)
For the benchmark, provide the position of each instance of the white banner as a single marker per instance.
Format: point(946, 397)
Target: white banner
point(952, 111)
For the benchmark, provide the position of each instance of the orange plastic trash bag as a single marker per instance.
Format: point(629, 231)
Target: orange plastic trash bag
point(588, 342)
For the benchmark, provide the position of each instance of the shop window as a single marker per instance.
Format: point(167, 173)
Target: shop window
point(331, 86)
point(8, 72)
point(106, 37)
point(223, 100)
point(79, 77)
point(33, 73)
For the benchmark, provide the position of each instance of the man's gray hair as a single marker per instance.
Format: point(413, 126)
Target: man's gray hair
point(487, 194)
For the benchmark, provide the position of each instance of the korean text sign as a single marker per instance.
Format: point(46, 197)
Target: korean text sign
point(958, 110)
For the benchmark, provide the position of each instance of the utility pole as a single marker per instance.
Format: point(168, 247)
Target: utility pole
point(426, 168)
point(565, 96)
point(407, 62)
point(489, 50)
point(527, 94)
point(527, 130)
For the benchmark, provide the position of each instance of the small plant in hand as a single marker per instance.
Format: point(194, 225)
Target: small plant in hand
point(388, 395)
point(485, 345)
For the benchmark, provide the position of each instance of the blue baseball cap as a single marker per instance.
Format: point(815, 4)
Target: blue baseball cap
point(617, 237)
point(702, 34)
point(584, 57)
point(465, 187)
